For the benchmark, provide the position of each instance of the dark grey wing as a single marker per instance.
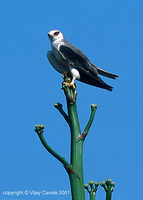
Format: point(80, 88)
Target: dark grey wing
point(76, 58)
point(88, 72)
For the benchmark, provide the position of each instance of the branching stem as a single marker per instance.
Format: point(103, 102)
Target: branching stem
point(93, 110)
point(75, 167)
point(108, 187)
point(92, 190)
point(40, 129)
point(59, 107)
point(86, 130)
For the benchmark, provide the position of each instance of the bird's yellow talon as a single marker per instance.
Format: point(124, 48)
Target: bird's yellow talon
point(72, 84)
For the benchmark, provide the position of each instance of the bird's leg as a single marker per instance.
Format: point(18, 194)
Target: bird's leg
point(65, 74)
point(72, 83)
point(75, 74)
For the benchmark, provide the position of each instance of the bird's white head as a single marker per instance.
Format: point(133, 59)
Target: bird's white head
point(55, 35)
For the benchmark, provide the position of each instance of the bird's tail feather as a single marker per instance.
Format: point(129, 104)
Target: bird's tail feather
point(105, 73)
point(95, 81)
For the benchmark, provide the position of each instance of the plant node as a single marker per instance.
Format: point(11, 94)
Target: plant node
point(39, 129)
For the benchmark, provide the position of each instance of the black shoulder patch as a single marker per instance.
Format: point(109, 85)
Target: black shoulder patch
point(69, 54)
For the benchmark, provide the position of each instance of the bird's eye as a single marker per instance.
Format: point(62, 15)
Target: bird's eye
point(56, 33)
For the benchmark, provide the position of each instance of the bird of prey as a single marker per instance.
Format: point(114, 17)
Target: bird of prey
point(66, 58)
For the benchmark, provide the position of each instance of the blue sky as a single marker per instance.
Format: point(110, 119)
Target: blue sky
point(110, 34)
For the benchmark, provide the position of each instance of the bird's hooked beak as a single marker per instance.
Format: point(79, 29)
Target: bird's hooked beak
point(50, 36)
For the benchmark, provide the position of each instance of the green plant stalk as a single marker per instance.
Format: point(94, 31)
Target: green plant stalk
point(109, 190)
point(59, 107)
point(54, 153)
point(76, 181)
point(108, 187)
point(93, 189)
point(92, 195)
point(108, 194)
point(75, 167)
point(93, 110)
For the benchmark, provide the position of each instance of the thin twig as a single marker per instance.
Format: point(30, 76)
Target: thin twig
point(86, 130)
point(59, 107)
